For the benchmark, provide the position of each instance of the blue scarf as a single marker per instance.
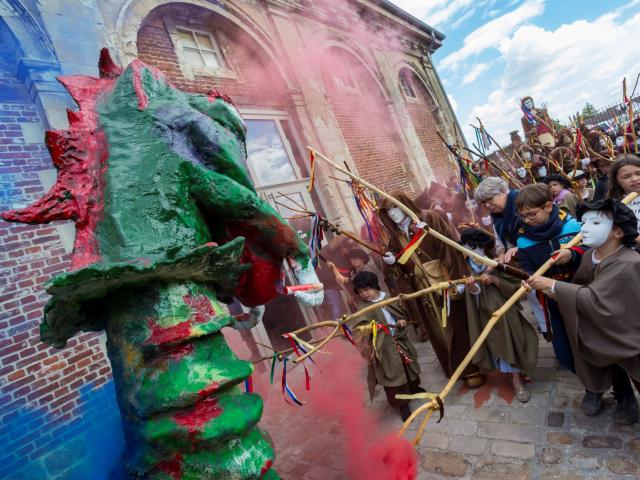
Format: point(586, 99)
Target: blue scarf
point(547, 231)
point(507, 222)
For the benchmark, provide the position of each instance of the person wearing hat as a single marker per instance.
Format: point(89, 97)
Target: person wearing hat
point(584, 193)
point(563, 197)
point(599, 307)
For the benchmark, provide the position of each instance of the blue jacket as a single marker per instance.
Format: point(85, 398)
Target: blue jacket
point(537, 243)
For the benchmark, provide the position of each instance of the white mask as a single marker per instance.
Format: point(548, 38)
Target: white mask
point(528, 104)
point(522, 172)
point(619, 141)
point(542, 171)
point(602, 142)
point(396, 214)
point(595, 229)
point(475, 266)
point(527, 155)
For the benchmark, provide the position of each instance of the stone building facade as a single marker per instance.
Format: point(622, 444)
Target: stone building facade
point(352, 78)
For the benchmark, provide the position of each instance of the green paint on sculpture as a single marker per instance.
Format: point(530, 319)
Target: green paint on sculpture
point(167, 223)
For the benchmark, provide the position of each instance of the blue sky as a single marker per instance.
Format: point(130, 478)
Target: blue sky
point(561, 52)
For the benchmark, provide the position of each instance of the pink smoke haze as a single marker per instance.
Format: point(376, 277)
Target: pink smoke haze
point(337, 426)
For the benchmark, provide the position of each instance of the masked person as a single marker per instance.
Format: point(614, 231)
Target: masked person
point(512, 345)
point(432, 262)
point(599, 307)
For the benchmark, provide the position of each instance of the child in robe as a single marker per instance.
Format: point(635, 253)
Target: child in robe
point(393, 360)
point(512, 345)
point(600, 306)
point(562, 195)
point(545, 229)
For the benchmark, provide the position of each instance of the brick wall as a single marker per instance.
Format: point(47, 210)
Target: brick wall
point(33, 376)
point(257, 82)
point(421, 112)
point(363, 116)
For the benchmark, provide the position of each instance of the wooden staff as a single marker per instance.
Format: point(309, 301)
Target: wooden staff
point(630, 109)
point(513, 271)
point(337, 324)
point(326, 224)
point(437, 402)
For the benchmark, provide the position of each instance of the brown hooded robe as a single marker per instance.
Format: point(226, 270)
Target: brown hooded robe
point(600, 311)
point(450, 344)
point(513, 339)
point(387, 367)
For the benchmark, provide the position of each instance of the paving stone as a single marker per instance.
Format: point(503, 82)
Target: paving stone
point(555, 419)
point(525, 414)
point(501, 470)
point(558, 438)
point(601, 441)
point(467, 445)
point(634, 446)
point(513, 449)
point(623, 466)
point(585, 461)
point(435, 440)
point(560, 401)
point(449, 464)
point(560, 475)
point(516, 433)
point(487, 414)
point(551, 455)
point(454, 427)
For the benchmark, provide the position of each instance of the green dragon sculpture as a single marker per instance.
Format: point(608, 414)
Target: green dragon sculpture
point(168, 224)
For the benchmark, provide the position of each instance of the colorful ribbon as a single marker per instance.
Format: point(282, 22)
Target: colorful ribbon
point(528, 115)
point(347, 333)
point(315, 239)
point(285, 386)
point(412, 246)
point(248, 384)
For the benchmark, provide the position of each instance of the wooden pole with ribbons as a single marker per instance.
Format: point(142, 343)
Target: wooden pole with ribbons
point(337, 324)
point(515, 272)
point(436, 403)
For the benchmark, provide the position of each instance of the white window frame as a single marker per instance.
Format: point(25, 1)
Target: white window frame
point(337, 81)
point(406, 87)
point(276, 117)
point(189, 70)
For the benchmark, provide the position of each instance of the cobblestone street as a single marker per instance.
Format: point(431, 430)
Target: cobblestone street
point(486, 433)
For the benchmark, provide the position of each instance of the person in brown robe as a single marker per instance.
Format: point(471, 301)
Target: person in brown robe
point(393, 361)
point(512, 345)
point(599, 307)
point(433, 261)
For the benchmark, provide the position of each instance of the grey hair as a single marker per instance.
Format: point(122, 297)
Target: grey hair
point(489, 188)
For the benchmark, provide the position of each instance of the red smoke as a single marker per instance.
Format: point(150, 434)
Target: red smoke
point(338, 396)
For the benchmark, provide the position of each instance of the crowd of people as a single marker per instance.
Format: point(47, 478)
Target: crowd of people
point(584, 305)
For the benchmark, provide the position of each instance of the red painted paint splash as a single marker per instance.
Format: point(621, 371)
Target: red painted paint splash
point(495, 381)
point(201, 308)
point(177, 352)
point(213, 95)
point(137, 68)
point(201, 413)
point(208, 390)
point(164, 335)
point(265, 468)
point(172, 467)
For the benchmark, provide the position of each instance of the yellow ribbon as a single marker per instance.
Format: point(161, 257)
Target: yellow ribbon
point(374, 336)
point(404, 258)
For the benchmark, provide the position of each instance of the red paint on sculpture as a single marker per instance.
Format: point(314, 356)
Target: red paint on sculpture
point(166, 335)
point(202, 412)
point(201, 308)
point(172, 467)
point(209, 389)
point(268, 464)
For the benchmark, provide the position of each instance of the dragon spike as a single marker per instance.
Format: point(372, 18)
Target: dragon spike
point(107, 67)
point(75, 118)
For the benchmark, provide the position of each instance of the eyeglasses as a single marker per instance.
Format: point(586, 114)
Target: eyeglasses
point(529, 215)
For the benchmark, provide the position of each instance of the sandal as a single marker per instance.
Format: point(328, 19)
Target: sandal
point(523, 395)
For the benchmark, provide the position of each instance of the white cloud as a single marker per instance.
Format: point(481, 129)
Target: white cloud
point(453, 102)
point(435, 12)
point(477, 70)
point(492, 33)
point(578, 62)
